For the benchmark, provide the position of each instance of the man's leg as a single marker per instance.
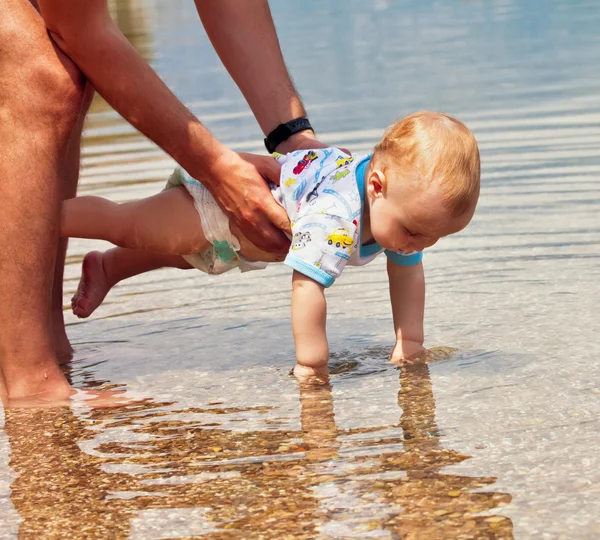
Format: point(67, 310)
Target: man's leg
point(40, 99)
point(62, 346)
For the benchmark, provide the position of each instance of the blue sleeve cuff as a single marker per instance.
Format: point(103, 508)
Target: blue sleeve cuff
point(309, 270)
point(404, 260)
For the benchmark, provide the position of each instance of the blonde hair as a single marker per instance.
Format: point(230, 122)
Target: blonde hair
point(438, 149)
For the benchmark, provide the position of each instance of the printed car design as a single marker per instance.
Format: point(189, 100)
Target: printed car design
point(343, 160)
point(341, 238)
point(305, 162)
point(340, 174)
point(301, 238)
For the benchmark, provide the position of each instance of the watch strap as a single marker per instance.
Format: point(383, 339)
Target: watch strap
point(284, 131)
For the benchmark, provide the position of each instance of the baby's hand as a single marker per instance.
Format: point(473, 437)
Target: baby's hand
point(312, 375)
point(435, 354)
point(406, 351)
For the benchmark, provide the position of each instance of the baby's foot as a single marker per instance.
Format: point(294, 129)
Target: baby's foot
point(93, 285)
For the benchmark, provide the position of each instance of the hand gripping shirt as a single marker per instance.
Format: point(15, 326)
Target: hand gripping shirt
point(323, 193)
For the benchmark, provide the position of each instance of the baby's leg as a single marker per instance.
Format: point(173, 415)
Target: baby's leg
point(100, 272)
point(167, 222)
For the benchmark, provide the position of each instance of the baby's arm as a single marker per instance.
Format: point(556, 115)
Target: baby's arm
point(407, 293)
point(309, 313)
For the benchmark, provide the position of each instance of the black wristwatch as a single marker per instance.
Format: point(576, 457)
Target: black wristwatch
point(284, 131)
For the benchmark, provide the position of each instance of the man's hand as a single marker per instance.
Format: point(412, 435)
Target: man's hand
point(237, 182)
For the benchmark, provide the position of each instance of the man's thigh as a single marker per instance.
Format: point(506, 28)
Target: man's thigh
point(37, 81)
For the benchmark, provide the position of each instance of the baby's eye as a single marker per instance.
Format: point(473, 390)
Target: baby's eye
point(410, 233)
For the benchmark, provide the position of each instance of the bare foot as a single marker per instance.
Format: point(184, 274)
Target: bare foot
point(47, 387)
point(93, 285)
point(46, 379)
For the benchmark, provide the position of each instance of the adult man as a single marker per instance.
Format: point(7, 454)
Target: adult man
point(45, 90)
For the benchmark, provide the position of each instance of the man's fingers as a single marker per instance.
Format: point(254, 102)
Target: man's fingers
point(269, 169)
point(278, 216)
point(259, 222)
point(266, 166)
point(261, 232)
point(267, 238)
point(249, 203)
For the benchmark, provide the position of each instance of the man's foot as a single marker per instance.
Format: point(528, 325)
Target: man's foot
point(46, 379)
point(93, 285)
point(94, 399)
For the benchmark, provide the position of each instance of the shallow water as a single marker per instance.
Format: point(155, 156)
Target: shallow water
point(498, 440)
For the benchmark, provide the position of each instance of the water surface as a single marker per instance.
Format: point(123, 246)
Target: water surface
point(496, 441)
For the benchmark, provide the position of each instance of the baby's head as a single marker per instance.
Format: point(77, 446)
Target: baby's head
point(422, 182)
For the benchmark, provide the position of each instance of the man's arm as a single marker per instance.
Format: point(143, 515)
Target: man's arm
point(309, 315)
point(244, 36)
point(407, 293)
point(86, 32)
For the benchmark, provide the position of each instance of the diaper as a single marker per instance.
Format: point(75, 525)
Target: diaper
point(223, 255)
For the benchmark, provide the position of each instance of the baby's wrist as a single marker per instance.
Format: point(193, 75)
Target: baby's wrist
point(406, 349)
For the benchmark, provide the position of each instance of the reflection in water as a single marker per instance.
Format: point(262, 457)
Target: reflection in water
point(146, 469)
point(438, 504)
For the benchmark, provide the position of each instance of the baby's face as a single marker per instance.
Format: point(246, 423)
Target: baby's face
point(409, 218)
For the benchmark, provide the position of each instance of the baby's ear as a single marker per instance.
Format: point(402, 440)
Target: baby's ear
point(377, 184)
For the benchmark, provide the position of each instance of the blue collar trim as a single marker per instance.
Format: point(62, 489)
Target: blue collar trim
point(361, 170)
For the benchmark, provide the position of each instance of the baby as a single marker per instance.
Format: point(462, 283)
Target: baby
point(421, 183)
